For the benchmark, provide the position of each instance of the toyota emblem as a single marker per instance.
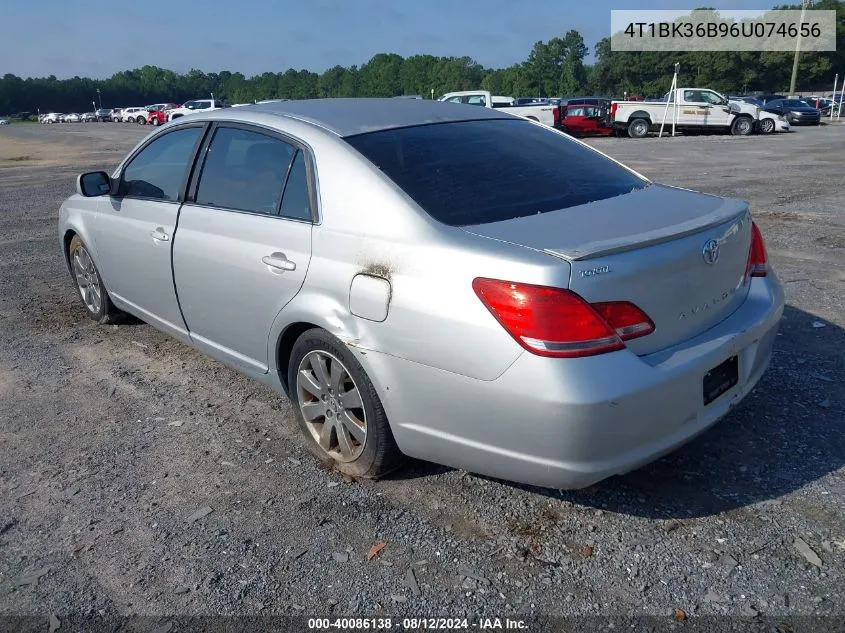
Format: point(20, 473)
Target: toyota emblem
point(711, 251)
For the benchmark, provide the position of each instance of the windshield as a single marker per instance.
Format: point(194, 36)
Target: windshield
point(475, 172)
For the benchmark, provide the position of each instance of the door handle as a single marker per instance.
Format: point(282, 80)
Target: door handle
point(278, 261)
point(159, 235)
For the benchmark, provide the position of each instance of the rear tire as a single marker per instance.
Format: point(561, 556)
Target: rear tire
point(742, 126)
point(328, 386)
point(155, 122)
point(638, 128)
point(141, 120)
point(89, 284)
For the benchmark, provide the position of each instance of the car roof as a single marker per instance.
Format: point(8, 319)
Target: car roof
point(347, 117)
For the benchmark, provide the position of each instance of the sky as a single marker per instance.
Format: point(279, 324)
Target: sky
point(85, 38)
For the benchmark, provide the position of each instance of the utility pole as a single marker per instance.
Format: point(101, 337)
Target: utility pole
point(805, 4)
point(99, 98)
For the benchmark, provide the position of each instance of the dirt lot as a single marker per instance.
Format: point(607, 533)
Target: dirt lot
point(117, 441)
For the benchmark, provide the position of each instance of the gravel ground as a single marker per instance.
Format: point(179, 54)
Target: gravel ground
point(139, 477)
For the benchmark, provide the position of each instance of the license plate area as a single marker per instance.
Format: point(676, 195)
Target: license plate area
point(720, 379)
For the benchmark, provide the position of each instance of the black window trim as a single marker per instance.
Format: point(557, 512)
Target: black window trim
point(298, 146)
point(188, 172)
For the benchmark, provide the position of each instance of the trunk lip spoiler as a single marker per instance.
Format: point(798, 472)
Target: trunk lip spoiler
point(672, 232)
point(730, 210)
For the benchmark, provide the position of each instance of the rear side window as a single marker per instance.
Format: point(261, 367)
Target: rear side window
point(296, 203)
point(244, 171)
point(476, 172)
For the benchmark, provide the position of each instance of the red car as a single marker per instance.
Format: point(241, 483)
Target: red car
point(585, 120)
point(157, 115)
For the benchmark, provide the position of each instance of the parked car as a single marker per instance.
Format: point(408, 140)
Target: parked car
point(132, 115)
point(821, 104)
point(770, 122)
point(795, 111)
point(88, 117)
point(103, 114)
point(699, 110)
point(522, 317)
point(52, 117)
point(540, 112)
point(157, 114)
point(116, 115)
point(4, 121)
point(197, 105)
point(585, 120)
point(73, 117)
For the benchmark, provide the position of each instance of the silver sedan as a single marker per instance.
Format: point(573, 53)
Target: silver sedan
point(433, 280)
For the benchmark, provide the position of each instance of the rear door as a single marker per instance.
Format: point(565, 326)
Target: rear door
point(244, 241)
point(134, 231)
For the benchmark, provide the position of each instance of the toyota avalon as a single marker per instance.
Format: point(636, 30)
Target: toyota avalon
point(434, 280)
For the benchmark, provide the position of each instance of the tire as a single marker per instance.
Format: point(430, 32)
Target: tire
point(370, 450)
point(141, 120)
point(742, 126)
point(90, 285)
point(638, 128)
point(533, 118)
point(155, 121)
point(767, 126)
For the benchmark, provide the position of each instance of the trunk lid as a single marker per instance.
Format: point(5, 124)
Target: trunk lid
point(652, 247)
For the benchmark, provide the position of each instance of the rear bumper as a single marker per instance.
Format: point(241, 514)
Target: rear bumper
point(568, 423)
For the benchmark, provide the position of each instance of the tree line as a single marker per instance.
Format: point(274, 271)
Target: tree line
point(554, 68)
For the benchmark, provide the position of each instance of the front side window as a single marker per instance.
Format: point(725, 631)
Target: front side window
point(158, 170)
point(475, 172)
point(712, 98)
point(244, 171)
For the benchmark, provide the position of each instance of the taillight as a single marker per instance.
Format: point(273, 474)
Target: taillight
point(613, 108)
point(758, 259)
point(557, 322)
point(626, 318)
point(556, 115)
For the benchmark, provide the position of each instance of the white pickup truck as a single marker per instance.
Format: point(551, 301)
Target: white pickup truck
point(698, 109)
point(543, 112)
point(197, 105)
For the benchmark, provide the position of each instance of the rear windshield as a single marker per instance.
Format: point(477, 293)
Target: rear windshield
point(476, 172)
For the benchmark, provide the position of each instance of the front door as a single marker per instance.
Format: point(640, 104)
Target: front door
point(718, 111)
point(135, 230)
point(244, 242)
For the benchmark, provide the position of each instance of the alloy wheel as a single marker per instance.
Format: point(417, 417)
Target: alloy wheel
point(331, 406)
point(87, 280)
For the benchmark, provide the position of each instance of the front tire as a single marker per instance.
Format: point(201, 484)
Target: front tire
point(155, 122)
point(742, 126)
point(141, 120)
point(767, 126)
point(638, 128)
point(338, 409)
point(90, 285)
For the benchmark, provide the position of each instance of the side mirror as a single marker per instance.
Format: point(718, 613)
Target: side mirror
point(93, 183)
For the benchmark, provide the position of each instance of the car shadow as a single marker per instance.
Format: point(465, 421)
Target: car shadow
point(789, 432)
